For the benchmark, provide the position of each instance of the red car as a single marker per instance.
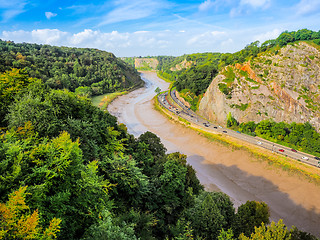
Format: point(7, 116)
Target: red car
point(281, 150)
point(293, 150)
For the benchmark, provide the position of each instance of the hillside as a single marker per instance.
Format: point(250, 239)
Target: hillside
point(146, 63)
point(94, 71)
point(282, 84)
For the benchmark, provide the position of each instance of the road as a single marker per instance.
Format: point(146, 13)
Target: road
point(178, 108)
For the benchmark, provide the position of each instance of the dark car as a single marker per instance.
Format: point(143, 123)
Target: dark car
point(317, 158)
point(281, 150)
point(215, 127)
point(293, 150)
point(224, 131)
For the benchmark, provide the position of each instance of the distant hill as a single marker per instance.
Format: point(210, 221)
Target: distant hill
point(93, 70)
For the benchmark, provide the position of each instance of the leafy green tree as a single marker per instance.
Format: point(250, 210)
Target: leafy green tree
point(205, 217)
point(130, 184)
point(59, 183)
point(157, 149)
point(105, 229)
point(231, 121)
point(11, 83)
point(276, 231)
point(17, 221)
point(250, 215)
point(226, 235)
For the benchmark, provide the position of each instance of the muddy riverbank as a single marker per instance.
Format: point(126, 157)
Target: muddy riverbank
point(218, 167)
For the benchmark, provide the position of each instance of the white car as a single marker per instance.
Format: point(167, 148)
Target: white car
point(259, 143)
point(305, 158)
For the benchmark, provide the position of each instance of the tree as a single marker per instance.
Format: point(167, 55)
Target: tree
point(157, 149)
point(276, 231)
point(11, 83)
point(205, 217)
point(250, 215)
point(17, 221)
point(106, 229)
point(231, 121)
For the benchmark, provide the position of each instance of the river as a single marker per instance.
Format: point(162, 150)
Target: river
point(219, 167)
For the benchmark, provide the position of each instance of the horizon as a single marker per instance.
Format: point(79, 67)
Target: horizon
point(155, 27)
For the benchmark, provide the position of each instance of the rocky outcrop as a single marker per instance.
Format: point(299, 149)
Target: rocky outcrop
point(150, 63)
point(283, 85)
point(182, 65)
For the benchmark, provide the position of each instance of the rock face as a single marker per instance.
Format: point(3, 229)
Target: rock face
point(182, 65)
point(283, 85)
point(151, 63)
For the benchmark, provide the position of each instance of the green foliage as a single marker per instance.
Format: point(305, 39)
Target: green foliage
point(191, 98)
point(225, 90)
point(70, 68)
point(231, 121)
point(59, 182)
point(241, 107)
point(211, 213)
point(12, 83)
point(226, 235)
point(106, 229)
point(250, 215)
point(301, 136)
point(229, 74)
point(276, 231)
point(17, 221)
point(196, 79)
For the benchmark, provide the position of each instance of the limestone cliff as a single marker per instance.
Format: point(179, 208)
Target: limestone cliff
point(182, 65)
point(146, 63)
point(283, 85)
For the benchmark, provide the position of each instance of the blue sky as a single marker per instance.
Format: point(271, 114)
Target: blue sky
point(154, 27)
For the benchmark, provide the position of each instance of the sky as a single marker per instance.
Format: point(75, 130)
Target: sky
point(130, 28)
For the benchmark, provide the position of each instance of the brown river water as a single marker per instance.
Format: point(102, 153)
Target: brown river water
point(220, 168)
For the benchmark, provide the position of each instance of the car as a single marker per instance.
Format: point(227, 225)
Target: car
point(220, 127)
point(238, 132)
point(317, 158)
point(224, 131)
point(305, 158)
point(259, 143)
point(215, 127)
point(293, 150)
point(281, 150)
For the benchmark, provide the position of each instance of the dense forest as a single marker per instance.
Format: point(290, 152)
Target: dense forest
point(86, 71)
point(69, 171)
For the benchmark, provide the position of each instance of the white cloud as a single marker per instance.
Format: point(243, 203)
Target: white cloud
point(41, 36)
point(205, 5)
point(48, 36)
point(133, 10)
point(140, 43)
point(50, 15)
point(256, 3)
point(267, 35)
point(307, 6)
point(206, 38)
point(11, 8)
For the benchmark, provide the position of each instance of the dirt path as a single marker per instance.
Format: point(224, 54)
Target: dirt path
point(218, 167)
